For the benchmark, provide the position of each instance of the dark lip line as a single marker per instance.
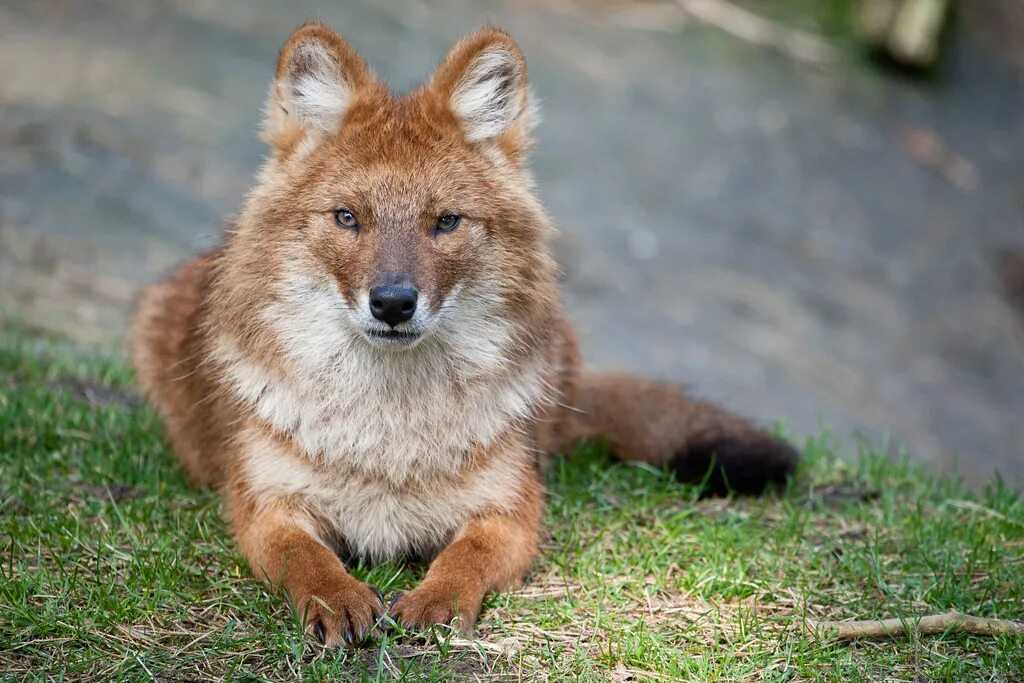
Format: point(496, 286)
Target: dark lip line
point(392, 334)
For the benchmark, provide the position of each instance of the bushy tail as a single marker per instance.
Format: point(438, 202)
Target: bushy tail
point(656, 422)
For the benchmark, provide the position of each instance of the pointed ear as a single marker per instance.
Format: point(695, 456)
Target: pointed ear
point(483, 83)
point(318, 78)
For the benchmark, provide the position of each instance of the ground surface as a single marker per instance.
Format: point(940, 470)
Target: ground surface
point(111, 568)
point(816, 246)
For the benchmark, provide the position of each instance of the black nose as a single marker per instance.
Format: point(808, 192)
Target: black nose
point(393, 303)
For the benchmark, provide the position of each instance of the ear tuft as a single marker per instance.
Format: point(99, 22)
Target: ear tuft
point(318, 77)
point(313, 89)
point(484, 81)
point(491, 93)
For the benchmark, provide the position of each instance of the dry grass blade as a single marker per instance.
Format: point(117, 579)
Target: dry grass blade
point(974, 507)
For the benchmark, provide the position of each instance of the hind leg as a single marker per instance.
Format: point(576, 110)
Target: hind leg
point(657, 422)
point(167, 357)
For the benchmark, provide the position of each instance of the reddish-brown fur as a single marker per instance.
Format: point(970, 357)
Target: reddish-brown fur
point(221, 358)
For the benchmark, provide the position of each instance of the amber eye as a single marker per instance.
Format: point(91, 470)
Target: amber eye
point(346, 219)
point(448, 222)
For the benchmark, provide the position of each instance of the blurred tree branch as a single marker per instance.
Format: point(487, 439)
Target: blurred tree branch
point(802, 46)
point(906, 30)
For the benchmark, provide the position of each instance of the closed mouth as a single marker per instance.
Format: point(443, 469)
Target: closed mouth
point(393, 335)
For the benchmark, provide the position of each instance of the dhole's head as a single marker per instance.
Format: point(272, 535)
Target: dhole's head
point(388, 220)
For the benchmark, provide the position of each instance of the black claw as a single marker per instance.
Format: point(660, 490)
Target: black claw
point(318, 631)
point(398, 596)
point(358, 633)
point(380, 596)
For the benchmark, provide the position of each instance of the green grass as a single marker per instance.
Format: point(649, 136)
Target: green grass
point(112, 568)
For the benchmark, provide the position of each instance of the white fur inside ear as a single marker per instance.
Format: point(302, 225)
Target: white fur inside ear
point(313, 89)
point(490, 95)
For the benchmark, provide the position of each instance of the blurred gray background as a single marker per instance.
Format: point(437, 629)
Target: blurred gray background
point(830, 245)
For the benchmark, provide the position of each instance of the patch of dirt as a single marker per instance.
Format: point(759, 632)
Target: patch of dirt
point(467, 660)
point(98, 395)
point(79, 494)
point(839, 494)
point(94, 393)
point(13, 506)
point(115, 492)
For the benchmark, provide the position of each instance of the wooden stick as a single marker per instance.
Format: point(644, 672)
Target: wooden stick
point(931, 624)
point(753, 28)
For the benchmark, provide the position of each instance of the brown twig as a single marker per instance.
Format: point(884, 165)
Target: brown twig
point(927, 625)
point(753, 28)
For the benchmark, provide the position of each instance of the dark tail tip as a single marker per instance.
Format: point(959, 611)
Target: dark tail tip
point(743, 464)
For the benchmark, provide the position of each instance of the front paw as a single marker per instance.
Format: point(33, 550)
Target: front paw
point(343, 611)
point(431, 604)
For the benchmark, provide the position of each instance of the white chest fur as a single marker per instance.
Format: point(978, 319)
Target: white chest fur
point(375, 519)
point(400, 414)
